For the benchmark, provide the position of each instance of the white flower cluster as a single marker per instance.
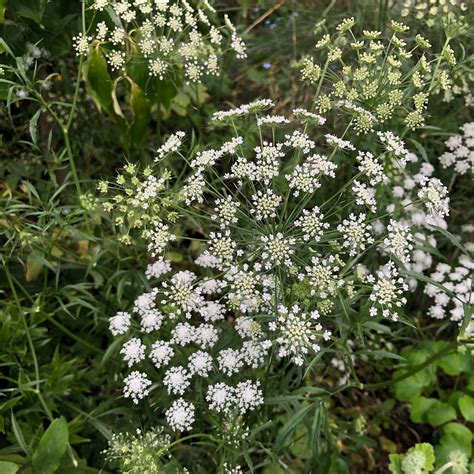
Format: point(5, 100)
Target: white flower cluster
point(461, 151)
point(283, 248)
point(194, 322)
point(270, 220)
point(388, 290)
point(458, 281)
point(297, 333)
point(375, 77)
point(164, 35)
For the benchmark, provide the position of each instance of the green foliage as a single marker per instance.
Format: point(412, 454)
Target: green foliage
point(51, 447)
point(447, 406)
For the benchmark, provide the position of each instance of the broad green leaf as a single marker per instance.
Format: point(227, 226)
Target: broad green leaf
point(451, 364)
point(98, 80)
point(141, 108)
point(408, 389)
point(411, 387)
point(440, 413)
point(457, 436)
point(51, 448)
point(395, 466)
point(470, 384)
point(420, 407)
point(466, 406)
point(8, 467)
point(34, 266)
point(32, 9)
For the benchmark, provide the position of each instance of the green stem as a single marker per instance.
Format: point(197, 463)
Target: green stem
point(443, 468)
point(438, 63)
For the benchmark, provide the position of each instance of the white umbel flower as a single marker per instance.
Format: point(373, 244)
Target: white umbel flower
point(297, 333)
point(399, 241)
point(387, 294)
point(435, 195)
point(277, 250)
point(161, 353)
point(355, 234)
point(177, 380)
point(220, 397)
point(120, 323)
point(133, 351)
point(248, 395)
point(230, 361)
point(136, 386)
point(312, 224)
point(157, 269)
point(200, 363)
point(265, 204)
point(180, 416)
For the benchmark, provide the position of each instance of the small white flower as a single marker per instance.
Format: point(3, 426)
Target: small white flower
point(277, 250)
point(133, 351)
point(230, 361)
point(145, 302)
point(371, 167)
point(206, 335)
point(300, 141)
point(398, 241)
point(212, 311)
point(311, 223)
point(355, 233)
point(220, 397)
point(387, 294)
point(171, 145)
point(365, 196)
point(151, 320)
point(200, 363)
point(136, 386)
point(183, 334)
point(177, 380)
point(81, 43)
point(248, 395)
point(206, 260)
point(265, 204)
point(180, 416)
point(158, 238)
point(161, 353)
point(436, 197)
point(157, 269)
point(272, 120)
point(120, 323)
point(394, 145)
point(254, 353)
point(339, 142)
